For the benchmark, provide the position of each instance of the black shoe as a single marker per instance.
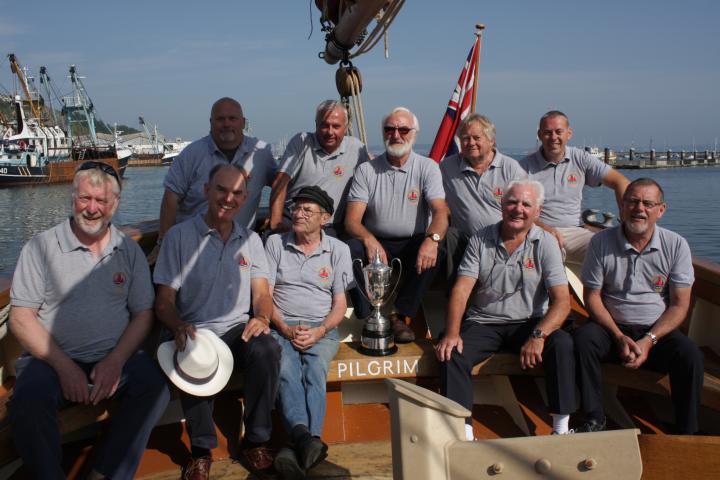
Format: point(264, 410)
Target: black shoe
point(286, 464)
point(592, 425)
point(311, 452)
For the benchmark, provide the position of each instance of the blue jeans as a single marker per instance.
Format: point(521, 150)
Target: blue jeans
point(143, 394)
point(303, 376)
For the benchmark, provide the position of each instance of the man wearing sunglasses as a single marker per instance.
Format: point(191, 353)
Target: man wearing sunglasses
point(638, 279)
point(81, 306)
point(520, 299)
point(227, 144)
point(564, 171)
point(396, 205)
point(326, 159)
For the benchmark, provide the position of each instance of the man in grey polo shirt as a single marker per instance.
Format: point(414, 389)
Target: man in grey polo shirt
point(309, 273)
point(513, 270)
point(638, 278)
point(396, 206)
point(210, 273)
point(564, 171)
point(226, 144)
point(325, 158)
point(81, 306)
point(474, 181)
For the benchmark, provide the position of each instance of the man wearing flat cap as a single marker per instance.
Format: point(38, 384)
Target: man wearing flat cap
point(309, 272)
point(211, 274)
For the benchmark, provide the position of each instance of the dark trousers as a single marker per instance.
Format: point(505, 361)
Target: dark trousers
point(455, 244)
point(480, 341)
point(412, 286)
point(259, 358)
point(674, 353)
point(33, 410)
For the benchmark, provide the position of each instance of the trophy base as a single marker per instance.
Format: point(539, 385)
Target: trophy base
point(377, 344)
point(372, 352)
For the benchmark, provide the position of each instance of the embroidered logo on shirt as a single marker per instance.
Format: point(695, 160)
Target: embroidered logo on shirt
point(529, 264)
point(572, 179)
point(324, 274)
point(338, 172)
point(498, 194)
point(659, 282)
point(413, 195)
point(118, 279)
point(243, 262)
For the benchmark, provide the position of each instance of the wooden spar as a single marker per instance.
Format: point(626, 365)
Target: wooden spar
point(479, 28)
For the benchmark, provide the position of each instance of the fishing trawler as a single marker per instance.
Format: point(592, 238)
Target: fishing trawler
point(371, 436)
point(40, 154)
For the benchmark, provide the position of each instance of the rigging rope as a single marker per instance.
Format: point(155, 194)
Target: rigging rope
point(380, 29)
point(349, 86)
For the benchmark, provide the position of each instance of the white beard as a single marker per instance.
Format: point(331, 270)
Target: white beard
point(398, 150)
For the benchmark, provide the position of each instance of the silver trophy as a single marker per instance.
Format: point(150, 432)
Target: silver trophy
point(377, 337)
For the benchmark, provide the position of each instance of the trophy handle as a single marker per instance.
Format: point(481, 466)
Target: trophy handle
point(362, 290)
point(397, 280)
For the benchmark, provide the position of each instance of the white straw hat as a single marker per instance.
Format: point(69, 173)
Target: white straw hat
point(203, 368)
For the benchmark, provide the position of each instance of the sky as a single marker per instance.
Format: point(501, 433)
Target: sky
point(627, 73)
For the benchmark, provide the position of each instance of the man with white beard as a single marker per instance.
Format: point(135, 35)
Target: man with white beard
point(81, 307)
point(396, 205)
point(638, 279)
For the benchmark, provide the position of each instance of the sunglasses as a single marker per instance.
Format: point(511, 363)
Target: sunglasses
point(401, 130)
point(103, 167)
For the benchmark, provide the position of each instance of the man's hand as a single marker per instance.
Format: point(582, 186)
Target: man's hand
point(287, 331)
point(443, 350)
point(254, 328)
point(371, 246)
point(628, 350)
point(181, 333)
point(427, 255)
point(641, 354)
point(105, 378)
point(306, 337)
point(558, 236)
point(74, 383)
point(531, 353)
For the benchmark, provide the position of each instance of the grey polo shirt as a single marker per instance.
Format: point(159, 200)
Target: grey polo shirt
point(635, 285)
point(83, 301)
point(475, 199)
point(212, 278)
point(304, 285)
point(307, 163)
point(189, 173)
point(564, 183)
point(397, 198)
point(511, 288)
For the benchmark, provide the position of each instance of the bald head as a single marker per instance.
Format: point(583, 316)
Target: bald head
point(227, 123)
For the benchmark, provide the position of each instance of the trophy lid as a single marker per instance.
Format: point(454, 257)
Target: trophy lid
point(377, 264)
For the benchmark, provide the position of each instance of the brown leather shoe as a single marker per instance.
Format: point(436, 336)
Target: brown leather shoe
point(197, 469)
point(258, 459)
point(402, 332)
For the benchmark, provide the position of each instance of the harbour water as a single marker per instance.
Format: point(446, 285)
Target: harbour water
point(691, 193)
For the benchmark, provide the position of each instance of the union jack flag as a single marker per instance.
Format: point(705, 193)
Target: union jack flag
point(446, 143)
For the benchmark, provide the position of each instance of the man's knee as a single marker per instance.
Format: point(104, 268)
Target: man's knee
point(586, 336)
point(265, 348)
point(561, 342)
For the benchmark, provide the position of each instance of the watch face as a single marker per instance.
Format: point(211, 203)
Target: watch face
point(436, 237)
point(537, 333)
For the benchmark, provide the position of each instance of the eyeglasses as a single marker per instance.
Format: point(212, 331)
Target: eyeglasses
point(401, 130)
point(635, 202)
point(304, 211)
point(103, 167)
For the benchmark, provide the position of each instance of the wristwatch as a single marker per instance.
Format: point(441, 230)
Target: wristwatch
point(537, 333)
point(433, 236)
point(653, 337)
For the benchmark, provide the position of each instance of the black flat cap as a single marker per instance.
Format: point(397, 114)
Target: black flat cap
point(317, 195)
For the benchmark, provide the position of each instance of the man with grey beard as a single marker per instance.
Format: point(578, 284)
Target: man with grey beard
point(638, 279)
point(81, 306)
point(396, 206)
